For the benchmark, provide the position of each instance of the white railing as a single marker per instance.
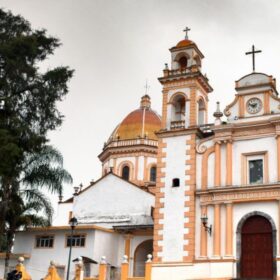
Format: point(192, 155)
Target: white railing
point(132, 142)
point(177, 124)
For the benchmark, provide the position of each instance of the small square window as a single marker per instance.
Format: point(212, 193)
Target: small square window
point(176, 182)
point(255, 171)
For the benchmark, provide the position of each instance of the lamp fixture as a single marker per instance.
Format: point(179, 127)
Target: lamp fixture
point(204, 220)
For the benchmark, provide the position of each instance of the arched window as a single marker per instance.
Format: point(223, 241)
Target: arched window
point(183, 62)
point(178, 108)
point(153, 174)
point(125, 172)
point(201, 112)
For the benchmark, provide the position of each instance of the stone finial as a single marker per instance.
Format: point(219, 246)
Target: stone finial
point(218, 114)
point(149, 258)
point(21, 260)
point(125, 259)
point(103, 260)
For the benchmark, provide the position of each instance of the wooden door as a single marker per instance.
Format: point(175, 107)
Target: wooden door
point(256, 249)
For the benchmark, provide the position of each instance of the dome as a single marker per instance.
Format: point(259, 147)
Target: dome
point(143, 122)
point(184, 43)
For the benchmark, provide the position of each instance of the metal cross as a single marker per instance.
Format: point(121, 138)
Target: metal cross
point(186, 30)
point(146, 87)
point(253, 52)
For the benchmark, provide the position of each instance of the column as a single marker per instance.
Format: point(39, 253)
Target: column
point(127, 245)
point(229, 232)
point(278, 157)
point(217, 164)
point(217, 231)
point(229, 163)
point(203, 235)
point(279, 227)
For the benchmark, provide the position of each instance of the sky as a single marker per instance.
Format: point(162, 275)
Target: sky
point(116, 45)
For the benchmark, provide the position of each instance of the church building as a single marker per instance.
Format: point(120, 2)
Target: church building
point(203, 198)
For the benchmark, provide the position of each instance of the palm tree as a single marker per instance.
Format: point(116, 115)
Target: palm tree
point(23, 196)
point(22, 214)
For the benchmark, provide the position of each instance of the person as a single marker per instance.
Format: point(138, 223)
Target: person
point(14, 275)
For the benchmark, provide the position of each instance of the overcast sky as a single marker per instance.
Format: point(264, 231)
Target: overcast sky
point(115, 45)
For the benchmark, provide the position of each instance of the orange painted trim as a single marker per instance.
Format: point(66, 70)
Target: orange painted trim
point(244, 166)
point(203, 235)
point(131, 169)
point(79, 227)
point(217, 179)
point(148, 271)
point(229, 230)
point(266, 102)
point(229, 163)
point(102, 271)
point(204, 167)
point(241, 106)
point(217, 231)
point(193, 107)
point(127, 246)
point(124, 271)
point(179, 93)
point(136, 169)
point(164, 109)
point(278, 157)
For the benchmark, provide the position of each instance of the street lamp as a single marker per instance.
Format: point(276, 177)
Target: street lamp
point(73, 223)
point(204, 220)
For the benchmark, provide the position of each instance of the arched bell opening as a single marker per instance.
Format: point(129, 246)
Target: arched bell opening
point(201, 111)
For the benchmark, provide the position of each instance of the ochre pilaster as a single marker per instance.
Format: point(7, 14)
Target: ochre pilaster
point(193, 107)
point(229, 163)
point(229, 230)
point(164, 110)
point(217, 164)
point(278, 157)
point(217, 231)
point(203, 235)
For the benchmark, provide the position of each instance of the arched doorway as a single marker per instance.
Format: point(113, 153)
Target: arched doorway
point(256, 247)
point(140, 257)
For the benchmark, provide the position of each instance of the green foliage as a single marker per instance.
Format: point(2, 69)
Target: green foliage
point(28, 111)
point(30, 96)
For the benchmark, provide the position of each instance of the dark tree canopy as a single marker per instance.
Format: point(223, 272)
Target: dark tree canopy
point(28, 96)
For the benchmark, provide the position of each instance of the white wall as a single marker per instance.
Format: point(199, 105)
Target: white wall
point(112, 197)
point(254, 145)
point(173, 222)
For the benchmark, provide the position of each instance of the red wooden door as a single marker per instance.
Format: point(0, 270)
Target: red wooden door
point(256, 249)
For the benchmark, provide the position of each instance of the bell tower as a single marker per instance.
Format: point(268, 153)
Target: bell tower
point(184, 110)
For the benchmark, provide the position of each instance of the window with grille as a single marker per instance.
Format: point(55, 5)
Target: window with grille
point(255, 171)
point(78, 240)
point(44, 241)
point(153, 174)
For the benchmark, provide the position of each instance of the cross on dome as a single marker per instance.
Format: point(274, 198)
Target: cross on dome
point(147, 87)
point(186, 30)
point(253, 52)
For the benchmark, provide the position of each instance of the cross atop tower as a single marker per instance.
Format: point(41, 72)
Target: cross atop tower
point(253, 52)
point(146, 87)
point(186, 30)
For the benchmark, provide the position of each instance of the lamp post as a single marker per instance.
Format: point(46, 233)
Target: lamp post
point(204, 220)
point(73, 223)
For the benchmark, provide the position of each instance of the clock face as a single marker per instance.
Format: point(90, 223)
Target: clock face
point(254, 105)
